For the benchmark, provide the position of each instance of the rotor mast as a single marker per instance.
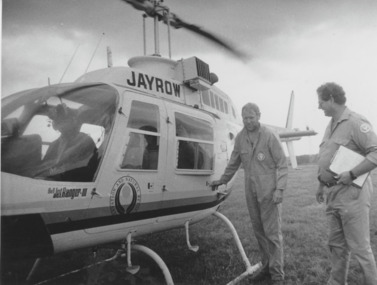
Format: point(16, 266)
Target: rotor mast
point(158, 10)
point(156, 32)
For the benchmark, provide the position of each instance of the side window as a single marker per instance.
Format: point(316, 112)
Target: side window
point(226, 107)
point(217, 102)
point(205, 98)
point(194, 143)
point(221, 105)
point(144, 114)
point(212, 97)
point(234, 113)
point(144, 137)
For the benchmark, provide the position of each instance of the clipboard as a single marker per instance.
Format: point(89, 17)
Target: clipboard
point(344, 160)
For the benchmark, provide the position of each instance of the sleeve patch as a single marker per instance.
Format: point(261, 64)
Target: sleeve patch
point(365, 128)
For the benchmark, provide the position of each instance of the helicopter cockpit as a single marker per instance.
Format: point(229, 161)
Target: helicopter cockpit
point(57, 133)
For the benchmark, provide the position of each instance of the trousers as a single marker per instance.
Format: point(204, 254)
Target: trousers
point(347, 215)
point(265, 218)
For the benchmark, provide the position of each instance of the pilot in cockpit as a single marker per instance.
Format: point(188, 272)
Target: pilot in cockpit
point(70, 156)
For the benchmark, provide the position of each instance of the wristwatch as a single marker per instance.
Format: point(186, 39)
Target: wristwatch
point(352, 175)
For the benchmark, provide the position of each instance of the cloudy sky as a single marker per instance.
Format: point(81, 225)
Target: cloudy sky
point(294, 45)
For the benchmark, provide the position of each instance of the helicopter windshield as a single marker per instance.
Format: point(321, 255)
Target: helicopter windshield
point(57, 132)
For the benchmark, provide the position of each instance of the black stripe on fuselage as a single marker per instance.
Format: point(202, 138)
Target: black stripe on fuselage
point(68, 226)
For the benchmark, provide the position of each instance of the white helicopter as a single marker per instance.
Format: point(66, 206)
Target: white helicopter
point(119, 153)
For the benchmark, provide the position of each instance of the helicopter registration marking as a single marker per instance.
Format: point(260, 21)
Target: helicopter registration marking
point(152, 83)
point(125, 196)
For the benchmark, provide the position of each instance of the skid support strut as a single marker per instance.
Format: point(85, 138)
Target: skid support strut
point(193, 248)
point(250, 270)
point(134, 269)
point(157, 259)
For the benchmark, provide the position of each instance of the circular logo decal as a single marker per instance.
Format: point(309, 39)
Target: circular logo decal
point(365, 128)
point(125, 196)
point(261, 156)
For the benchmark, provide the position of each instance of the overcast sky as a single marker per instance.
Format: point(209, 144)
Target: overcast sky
point(295, 45)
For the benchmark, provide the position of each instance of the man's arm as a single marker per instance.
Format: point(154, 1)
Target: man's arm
point(231, 169)
point(280, 160)
point(366, 139)
point(348, 176)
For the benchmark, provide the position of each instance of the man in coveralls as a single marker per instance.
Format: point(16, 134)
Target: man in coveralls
point(347, 208)
point(262, 156)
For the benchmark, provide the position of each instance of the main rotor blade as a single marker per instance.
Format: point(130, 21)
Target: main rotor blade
point(143, 5)
point(176, 22)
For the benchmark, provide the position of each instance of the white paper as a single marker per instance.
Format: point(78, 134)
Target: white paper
point(345, 160)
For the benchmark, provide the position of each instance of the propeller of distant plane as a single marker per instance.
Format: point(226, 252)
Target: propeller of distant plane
point(161, 12)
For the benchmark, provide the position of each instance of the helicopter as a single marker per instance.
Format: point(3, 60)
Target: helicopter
point(119, 153)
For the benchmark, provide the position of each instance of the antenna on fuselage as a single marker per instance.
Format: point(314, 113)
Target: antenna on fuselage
point(109, 57)
point(90, 61)
point(61, 79)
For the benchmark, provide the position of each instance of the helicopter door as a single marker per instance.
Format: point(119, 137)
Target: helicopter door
point(140, 137)
point(143, 159)
point(190, 155)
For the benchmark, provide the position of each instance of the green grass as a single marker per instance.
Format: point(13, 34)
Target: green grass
point(218, 260)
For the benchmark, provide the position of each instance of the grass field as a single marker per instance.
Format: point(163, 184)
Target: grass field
point(218, 260)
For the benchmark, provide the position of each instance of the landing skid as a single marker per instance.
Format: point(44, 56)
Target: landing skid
point(121, 253)
point(127, 247)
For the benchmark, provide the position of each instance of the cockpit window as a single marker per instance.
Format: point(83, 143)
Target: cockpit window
point(57, 132)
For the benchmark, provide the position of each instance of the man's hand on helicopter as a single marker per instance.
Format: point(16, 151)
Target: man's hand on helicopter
point(215, 184)
point(277, 198)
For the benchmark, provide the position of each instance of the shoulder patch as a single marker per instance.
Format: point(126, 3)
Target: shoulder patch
point(365, 128)
point(261, 156)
